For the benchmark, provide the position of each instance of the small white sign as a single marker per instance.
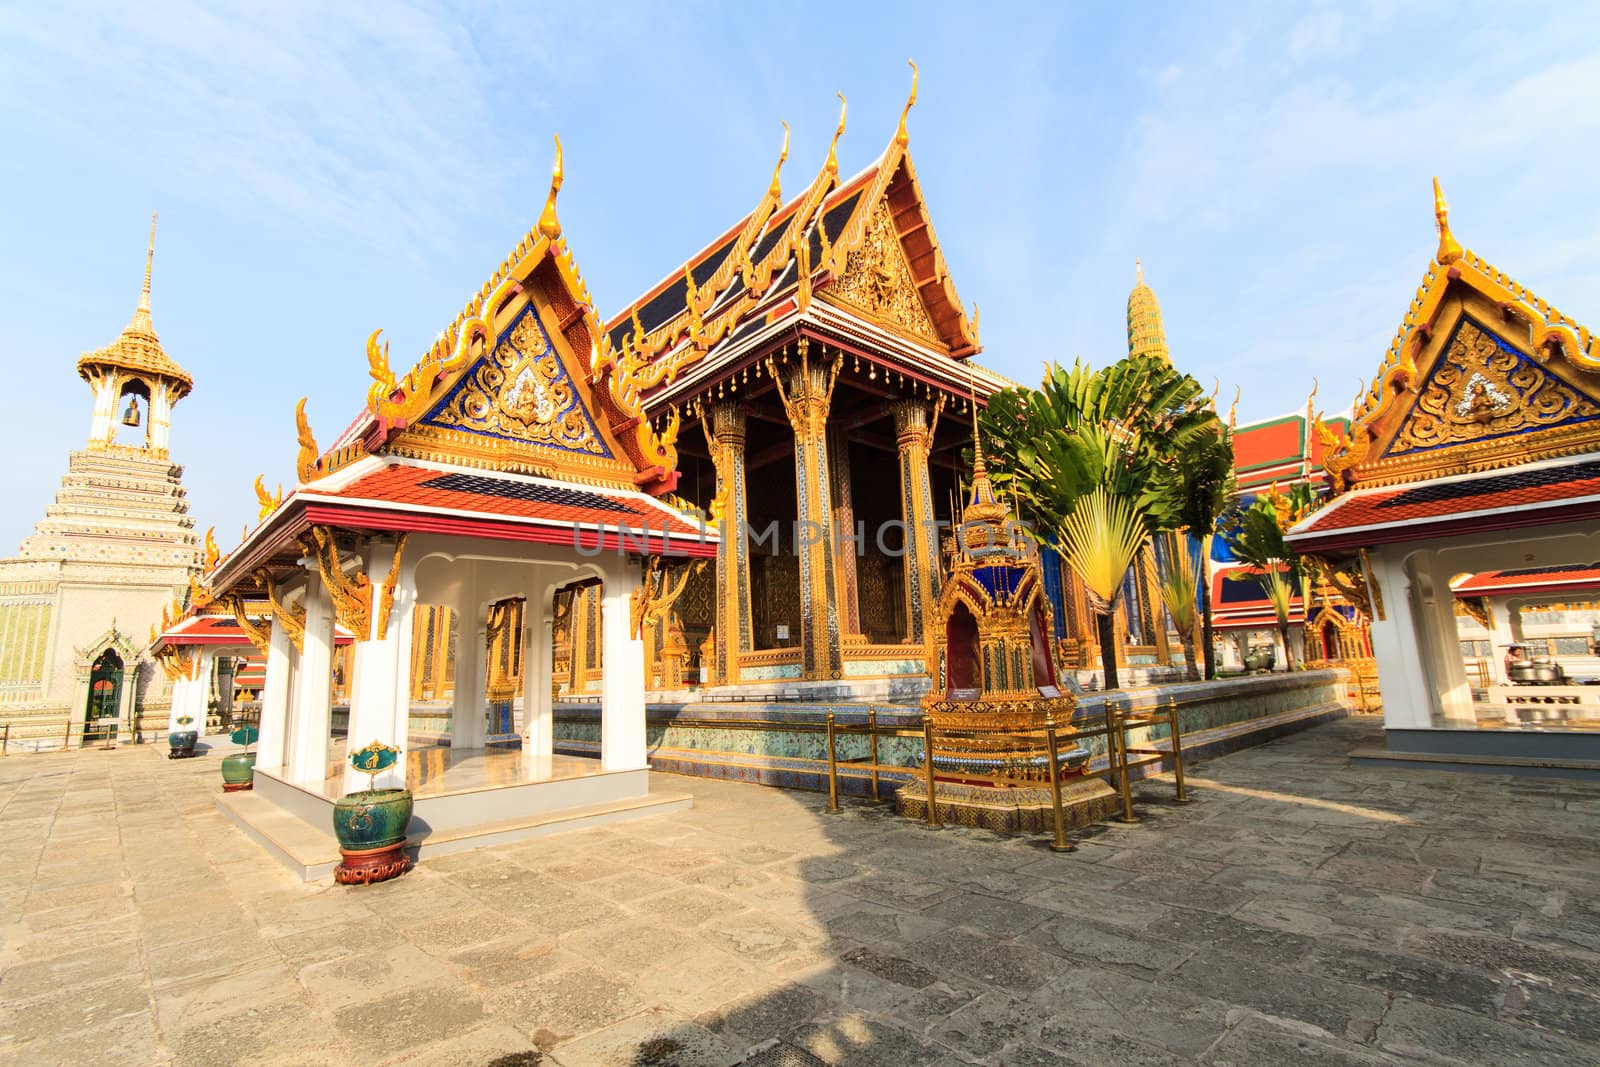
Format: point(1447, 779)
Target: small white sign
point(783, 631)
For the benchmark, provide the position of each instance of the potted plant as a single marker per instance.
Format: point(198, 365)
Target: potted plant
point(371, 823)
point(239, 769)
point(182, 740)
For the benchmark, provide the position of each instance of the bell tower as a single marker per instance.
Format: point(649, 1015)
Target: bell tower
point(115, 546)
point(135, 383)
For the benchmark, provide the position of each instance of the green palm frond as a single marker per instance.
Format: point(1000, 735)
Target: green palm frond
point(1101, 539)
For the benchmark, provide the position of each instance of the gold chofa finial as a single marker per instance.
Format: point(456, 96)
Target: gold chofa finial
point(1449, 247)
point(149, 258)
point(549, 224)
point(832, 166)
point(900, 135)
point(775, 190)
point(1138, 272)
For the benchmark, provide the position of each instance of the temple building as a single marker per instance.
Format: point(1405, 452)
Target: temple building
point(828, 371)
point(1474, 452)
point(115, 548)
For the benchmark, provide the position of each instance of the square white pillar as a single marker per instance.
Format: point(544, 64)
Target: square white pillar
point(179, 709)
point(622, 723)
point(200, 692)
point(308, 756)
point(1407, 702)
point(274, 724)
point(380, 704)
point(469, 715)
point(538, 659)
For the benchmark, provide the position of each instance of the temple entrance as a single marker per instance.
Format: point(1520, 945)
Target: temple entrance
point(105, 698)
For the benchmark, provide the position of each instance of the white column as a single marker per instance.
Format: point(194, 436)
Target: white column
point(308, 757)
point(200, 693)
point(1407, 703)
point(180, 706)
point(538, 659)
point(160, 416)
point(105, 402)
point(468, 713)
point(622, 733)
point(380, 706)
point(274, 725)
point(1442, 644)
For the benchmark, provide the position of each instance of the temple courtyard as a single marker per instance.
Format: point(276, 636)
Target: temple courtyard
point(1301, 910)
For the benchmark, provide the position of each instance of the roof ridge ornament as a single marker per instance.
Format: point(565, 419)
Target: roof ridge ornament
point(549, 224)
point(775, 190)
point(1449, 248)
point(901, 138)
point(832, 165)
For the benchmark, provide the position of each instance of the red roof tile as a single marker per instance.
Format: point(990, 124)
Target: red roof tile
point(1534, 494)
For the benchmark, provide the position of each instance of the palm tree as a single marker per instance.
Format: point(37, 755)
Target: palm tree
point(1178, 589)
point(1092, 455)
point(1256, 540)
point(1205, 486)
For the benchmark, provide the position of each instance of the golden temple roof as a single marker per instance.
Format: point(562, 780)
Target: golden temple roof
point(138, 349)
point(1146, 337)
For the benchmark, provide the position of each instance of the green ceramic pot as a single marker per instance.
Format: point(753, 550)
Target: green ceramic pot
point(238, 770)
point(372, 818)
point(182, 742)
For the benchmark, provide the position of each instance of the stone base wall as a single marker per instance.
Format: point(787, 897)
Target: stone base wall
point(783, 744)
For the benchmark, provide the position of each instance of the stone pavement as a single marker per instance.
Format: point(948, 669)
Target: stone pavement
point(1300, 911)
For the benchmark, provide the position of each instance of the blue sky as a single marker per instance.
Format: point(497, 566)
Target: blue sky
point(325, 170)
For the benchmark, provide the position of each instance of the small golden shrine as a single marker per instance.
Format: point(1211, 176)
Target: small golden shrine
point(995, 683)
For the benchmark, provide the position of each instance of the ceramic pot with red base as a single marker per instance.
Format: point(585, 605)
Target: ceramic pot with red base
point(238, 772)
point(371, 828)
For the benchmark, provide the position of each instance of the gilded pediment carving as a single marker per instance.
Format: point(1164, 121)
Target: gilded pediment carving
point(520, 390)
point(877, 279)
point(1482, 388)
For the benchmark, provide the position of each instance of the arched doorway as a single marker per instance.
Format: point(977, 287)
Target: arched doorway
point(105, 697)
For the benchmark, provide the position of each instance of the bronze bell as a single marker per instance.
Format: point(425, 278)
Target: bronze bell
point(131, 416)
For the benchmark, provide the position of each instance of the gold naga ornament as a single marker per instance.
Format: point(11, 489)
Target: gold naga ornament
point(657, 592)
point(268, 501)
point(352, 594)
point(293, 620)
point(260, 637)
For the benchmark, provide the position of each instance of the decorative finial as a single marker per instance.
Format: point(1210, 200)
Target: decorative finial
point(549, 224)
point(775, 190)
point(832, 166)
point(1138, 272)
point(1449, 247)
point(900, 135)
point(1233, 411)
point(149, 258)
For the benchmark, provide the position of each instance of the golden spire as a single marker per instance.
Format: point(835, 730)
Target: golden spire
point(832, 166)
point(149, 259)
point(1146, 336)
point(1449, 248)
point(900, 136)
point(549, 224)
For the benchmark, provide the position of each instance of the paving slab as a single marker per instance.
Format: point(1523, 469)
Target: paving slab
point(1302, 910)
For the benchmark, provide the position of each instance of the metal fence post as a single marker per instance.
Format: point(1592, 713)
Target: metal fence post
point(833, 770)
point(1121, 743)
point(927, 764)
point(1060, 844)
point(1177, 749)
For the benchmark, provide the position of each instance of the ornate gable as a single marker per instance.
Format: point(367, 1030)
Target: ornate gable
point(520, 390)
point(1482, 389)
point(1482, 375)
point(524, 381)
point(877, 280)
